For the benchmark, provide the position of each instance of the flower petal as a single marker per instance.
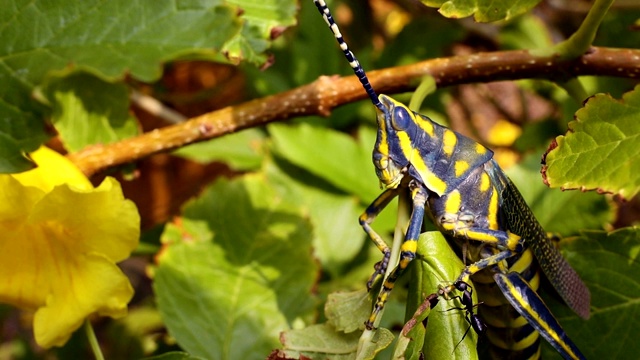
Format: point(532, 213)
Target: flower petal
point(100, 220)
point(61, 240)
point(53, 169)
point(97, 286)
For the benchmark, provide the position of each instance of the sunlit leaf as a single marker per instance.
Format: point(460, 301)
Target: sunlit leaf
point(88, 110)
point(600, 151)
point(241, 151)
point(334, 156)
point(321, 339)
point(238, 263)
point(482, 10)
point(347, 312)
point(337, 237)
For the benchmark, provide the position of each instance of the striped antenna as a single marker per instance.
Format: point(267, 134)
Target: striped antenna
point(355, 65)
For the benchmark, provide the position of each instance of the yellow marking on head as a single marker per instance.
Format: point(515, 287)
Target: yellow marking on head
point(480, 149)
point(485, 182)
point(449, 141)
point(461, 166)
point(493, 210)
point(405, 144)
point(425, 125)
point(452, 204)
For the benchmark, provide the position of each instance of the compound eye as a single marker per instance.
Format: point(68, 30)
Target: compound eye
point(400, 119)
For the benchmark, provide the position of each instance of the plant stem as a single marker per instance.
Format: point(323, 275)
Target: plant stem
point(327, 93)
point(426, 87)
point(93, 341)
point(402, 219)
point(578, 43)
point(575, 89)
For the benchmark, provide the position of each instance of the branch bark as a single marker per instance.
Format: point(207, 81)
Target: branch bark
point(326, 93)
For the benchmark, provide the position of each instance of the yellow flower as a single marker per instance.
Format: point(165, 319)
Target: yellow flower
point(59, 241)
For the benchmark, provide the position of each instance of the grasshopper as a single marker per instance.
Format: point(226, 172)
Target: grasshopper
point(455, 182)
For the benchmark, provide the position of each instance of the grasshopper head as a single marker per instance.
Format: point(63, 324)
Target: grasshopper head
point(394, 144)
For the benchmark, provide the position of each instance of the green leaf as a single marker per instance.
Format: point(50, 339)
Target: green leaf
point(235, 271)
point(334, 156)
point(12, 158)
point(174, 355)
point(411, 338)
point(88, 110)
point(600, 151)
point(526, 32)
point(608, 263)
point(324, 342)
point(437, 264)
point(320, 339)
point(347, 311)
point(482, 10)
point(261, 18)
point(337, 237)
point(564, 212)
point(242, 151)
point(112, 39)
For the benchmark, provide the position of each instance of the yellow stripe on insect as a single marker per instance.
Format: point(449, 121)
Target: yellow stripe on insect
point(524, 305)
point(485, 182)
point(383, 145)
point(461, 166)
point(521, 344)
point(523, 263)
point(409, 246)
point(480, 236)
point(431, 180)
point(425, 125)
point(405, 144)
point(452, 205)
point(535, 281)
point(492, 216)
point(480, 149)
point(449, 141)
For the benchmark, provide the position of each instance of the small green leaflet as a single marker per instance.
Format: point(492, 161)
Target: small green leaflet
point(482, 10)
point(88, 110)
point(600, 151)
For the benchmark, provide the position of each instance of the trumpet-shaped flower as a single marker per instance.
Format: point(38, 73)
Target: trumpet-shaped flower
point(59, 241)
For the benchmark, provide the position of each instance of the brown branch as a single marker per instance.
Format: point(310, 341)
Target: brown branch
point(326, 93)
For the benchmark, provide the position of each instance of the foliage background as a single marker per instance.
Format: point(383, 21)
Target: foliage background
point(246, 235)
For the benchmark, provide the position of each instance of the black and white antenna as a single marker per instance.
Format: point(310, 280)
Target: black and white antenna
point(353, 62)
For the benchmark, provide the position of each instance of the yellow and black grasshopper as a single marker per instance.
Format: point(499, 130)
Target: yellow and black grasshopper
point(456, 182)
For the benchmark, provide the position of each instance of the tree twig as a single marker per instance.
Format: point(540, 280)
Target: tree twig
point(326, 93)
